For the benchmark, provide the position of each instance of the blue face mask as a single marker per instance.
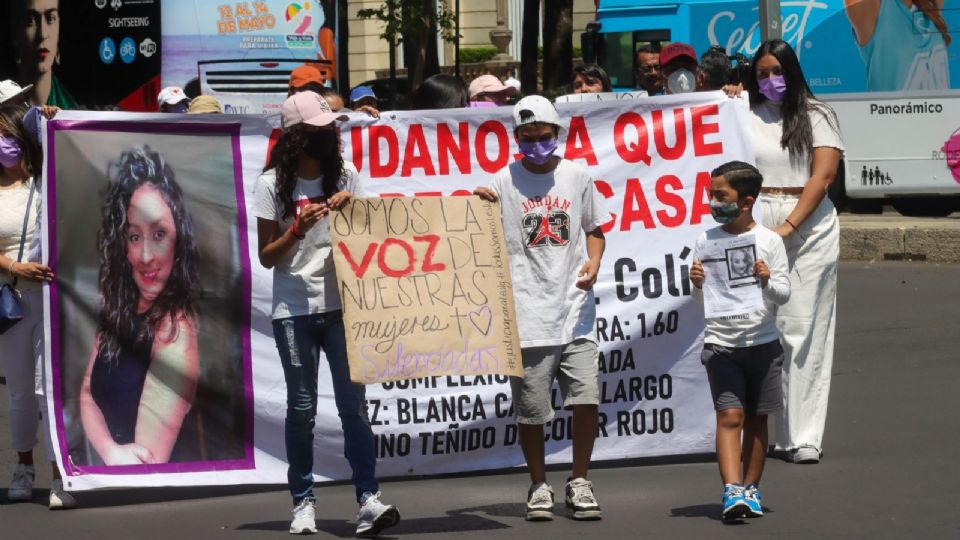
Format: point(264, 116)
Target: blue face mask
point(538, 152)
point(724, 212)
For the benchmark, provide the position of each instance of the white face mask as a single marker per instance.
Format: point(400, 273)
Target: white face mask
point(681, 81)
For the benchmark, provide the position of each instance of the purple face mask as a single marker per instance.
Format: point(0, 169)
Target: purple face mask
point(10, 151)
point(538, 152)
point(773, 87)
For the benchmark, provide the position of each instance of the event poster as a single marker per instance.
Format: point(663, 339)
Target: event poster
point(149, 349)
point(651, 161)
point(69, 50)
point(425, 287)
point(242, 52)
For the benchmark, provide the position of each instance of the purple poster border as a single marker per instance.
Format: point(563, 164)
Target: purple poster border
point(185, 128)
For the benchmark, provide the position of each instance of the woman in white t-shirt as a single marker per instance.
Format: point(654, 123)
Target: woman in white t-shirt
point(798, 149)
point(304, 178)
point(21, 346)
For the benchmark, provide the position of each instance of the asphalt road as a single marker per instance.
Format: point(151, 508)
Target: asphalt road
point(891, 468)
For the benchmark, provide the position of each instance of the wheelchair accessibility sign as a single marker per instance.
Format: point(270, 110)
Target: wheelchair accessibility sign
point(108, 50)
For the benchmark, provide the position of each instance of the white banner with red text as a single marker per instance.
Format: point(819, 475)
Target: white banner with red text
point(651, 160)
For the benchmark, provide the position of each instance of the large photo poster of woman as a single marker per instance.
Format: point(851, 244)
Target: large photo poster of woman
point(150, 309)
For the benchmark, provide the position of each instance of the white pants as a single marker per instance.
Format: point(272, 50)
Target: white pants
point(21, 351)
point(807, 322)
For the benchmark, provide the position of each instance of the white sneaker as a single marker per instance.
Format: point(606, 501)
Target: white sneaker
point(304, 518)
point(540, 502)
point(581, 499)
point(374, 516)
point(60, 499)
point(21, 487)
point(806, 454)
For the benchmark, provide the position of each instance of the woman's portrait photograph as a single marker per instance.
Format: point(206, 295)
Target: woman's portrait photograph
point(151, 293)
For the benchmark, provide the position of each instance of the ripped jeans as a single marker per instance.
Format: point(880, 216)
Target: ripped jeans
point(299, 341)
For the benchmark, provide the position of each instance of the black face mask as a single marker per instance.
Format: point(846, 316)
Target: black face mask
point(318, 146)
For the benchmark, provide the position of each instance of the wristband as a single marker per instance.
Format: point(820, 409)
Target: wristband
point(790, 223)
point(293, 230)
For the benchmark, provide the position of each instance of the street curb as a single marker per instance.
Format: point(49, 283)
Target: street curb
point(926, 242)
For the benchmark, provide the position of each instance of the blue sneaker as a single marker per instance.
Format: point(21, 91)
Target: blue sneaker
point(751, 495)
point(734, 505)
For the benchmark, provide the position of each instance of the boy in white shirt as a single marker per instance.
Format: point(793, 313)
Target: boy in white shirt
point(552, 214)
point(742, 353)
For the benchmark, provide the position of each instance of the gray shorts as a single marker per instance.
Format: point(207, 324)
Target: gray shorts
point(745, 378)
point(574, 365)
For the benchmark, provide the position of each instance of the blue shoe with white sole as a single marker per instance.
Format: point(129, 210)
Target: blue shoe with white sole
point(734, 503)
point(751, 495)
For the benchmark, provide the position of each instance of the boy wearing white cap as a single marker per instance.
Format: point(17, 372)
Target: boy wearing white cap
point(552, 214)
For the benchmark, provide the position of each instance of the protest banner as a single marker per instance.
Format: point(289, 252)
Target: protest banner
point(651, 161)
point(425, 287)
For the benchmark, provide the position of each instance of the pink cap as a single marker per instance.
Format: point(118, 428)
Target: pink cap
point(489, 84)
point(308, 108)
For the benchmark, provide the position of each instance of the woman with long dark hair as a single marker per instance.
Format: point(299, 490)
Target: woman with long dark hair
point(22, 344)
point(304, 179)
point(143, 369)
point(440, 91)
point(798, 149)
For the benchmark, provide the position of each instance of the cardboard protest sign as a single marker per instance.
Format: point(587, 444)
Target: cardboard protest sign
point(426, 289)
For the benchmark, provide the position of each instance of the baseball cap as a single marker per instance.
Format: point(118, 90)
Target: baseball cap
point(535, 109)
point(305, 74)
point(673, 51)
point(204, 105)
point(308, 108)
point(10, 90)
point(488, 84)
point(171, 95)
point(512, 83)
point(361, 92)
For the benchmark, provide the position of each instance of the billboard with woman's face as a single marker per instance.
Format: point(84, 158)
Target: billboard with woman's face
point(96, 54)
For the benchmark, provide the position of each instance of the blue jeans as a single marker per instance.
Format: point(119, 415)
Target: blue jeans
point(299, 341)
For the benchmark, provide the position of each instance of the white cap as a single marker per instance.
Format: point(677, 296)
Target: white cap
point(512, 83)
point(10, 90)
point(535, 109)
point(171, 95)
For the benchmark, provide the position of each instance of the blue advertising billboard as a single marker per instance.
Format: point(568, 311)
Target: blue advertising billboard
point(844, 46)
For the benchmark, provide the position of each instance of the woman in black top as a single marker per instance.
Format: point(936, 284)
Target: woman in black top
point(143, 369)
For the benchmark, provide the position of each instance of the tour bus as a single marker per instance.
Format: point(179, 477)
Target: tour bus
point(898, 106)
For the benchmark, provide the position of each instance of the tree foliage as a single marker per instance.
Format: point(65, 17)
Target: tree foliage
point(415, 23)
point(412, 18)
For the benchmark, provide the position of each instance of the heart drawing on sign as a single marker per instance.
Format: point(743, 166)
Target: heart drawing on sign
point(481, 319)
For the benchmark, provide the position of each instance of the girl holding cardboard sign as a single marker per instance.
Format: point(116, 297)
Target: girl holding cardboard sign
point(305, 177)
